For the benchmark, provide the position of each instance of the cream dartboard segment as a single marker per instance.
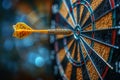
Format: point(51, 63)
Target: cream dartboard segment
point(85, 54)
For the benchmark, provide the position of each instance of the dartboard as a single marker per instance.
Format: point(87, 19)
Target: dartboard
point(87, 52)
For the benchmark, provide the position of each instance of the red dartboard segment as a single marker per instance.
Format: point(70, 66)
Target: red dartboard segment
point(91, 38)
point(112, 3)
point(113, 37)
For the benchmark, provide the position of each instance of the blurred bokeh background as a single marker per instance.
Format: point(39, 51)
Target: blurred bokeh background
point(29, 58)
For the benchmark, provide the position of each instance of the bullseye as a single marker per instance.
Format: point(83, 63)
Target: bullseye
point(80, 54)
point(77, 32)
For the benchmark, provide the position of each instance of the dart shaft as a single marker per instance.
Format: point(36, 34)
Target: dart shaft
point(50, 31)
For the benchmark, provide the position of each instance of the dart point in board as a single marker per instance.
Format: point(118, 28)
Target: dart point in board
point(22, 30)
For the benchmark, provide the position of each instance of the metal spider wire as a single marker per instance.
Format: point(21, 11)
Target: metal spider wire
point(93, 35)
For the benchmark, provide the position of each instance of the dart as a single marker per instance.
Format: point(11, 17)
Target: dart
point(22, 30)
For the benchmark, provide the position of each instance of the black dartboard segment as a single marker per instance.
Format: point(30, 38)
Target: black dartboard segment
point(87, 53)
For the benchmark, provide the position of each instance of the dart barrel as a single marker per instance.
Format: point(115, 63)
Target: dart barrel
point(59, 31)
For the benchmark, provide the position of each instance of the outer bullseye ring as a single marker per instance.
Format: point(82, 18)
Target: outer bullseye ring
point(77, 32)
point(91, 40)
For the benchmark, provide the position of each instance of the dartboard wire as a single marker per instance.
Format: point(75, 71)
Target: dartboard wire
point(101, 42)
point(68, 4)
point(61, 41)
point(86, 4)
point(91, 60)
point(116, 28)
point(78, 13)
point(85, 43)
point(66, 42)
point(105, 13)
point(65, 61)
point(106, 29)
point(58, 62)
point(74, 55)
point(90, 17)
point(68, 53)
point(112, 4)
point(85, 10)
point(89, 1)
point(78, 10)
point(71, 60)
point(59, 37)
point(61, 68)
point(81, 16)
point(71, 51)
point(83, 59)
point(62, 22)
